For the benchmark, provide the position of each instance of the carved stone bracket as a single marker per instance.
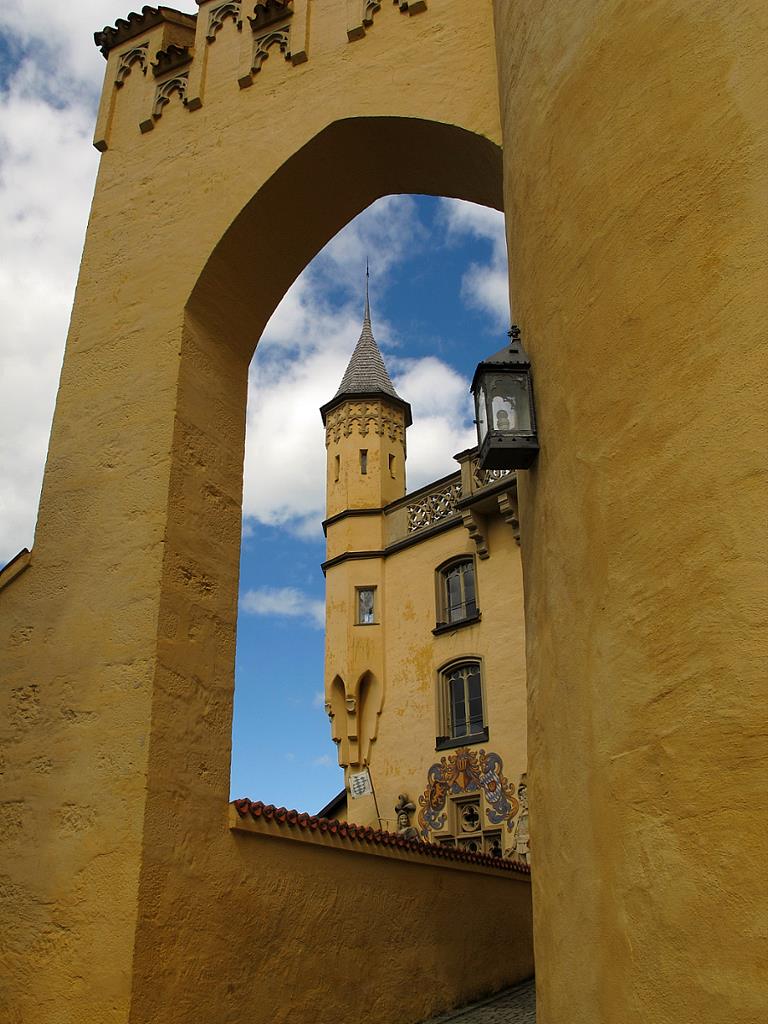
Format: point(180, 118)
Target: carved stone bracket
point(163, 95)
point(261, 47)
point(360, 16)
point(268, 12)
point(138, 55)
point(411, 6)
point(219, 15)
point(508, 507)
point(474, 524)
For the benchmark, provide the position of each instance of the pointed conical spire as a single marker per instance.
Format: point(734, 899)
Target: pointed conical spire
point(367, 310)
point(366, 373)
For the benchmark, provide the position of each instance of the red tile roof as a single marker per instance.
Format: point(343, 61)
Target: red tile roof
point(367, 834)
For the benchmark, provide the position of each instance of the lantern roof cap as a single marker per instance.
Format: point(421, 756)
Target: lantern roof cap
point(512, 357)
point(366, 374)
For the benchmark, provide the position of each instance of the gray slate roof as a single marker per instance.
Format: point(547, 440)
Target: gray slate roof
point(366, 372)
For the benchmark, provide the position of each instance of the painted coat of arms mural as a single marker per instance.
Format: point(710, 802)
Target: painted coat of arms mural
point(467, 771)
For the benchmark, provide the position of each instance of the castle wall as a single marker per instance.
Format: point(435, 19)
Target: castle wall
point(405, 650)
point(634, 142)
point(313, 927)
point(117, 642)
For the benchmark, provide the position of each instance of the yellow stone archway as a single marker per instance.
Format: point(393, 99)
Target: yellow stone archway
point(633, 156)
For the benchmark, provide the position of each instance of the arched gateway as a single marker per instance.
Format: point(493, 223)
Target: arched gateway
point(234, 145)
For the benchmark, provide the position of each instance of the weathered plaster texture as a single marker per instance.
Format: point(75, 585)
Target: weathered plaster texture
point(635, 194)
point(121, 884)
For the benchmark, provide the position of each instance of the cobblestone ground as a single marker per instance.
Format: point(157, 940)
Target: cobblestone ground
point(514, 1006)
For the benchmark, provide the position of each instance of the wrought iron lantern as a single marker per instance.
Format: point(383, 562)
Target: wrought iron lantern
point(504, 412)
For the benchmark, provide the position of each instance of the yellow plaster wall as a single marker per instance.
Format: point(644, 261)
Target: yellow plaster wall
point(405, 747)
point(376, 427)
point(404, 652)
point(635, 173)
point(117, 643)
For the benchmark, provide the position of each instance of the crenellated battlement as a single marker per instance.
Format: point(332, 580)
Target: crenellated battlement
point(169, 50)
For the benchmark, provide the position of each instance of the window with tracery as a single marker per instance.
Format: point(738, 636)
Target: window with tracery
point(457, 600)
point(465, 822)
point(461, 708)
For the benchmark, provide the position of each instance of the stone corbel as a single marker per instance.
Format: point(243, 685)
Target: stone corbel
point(474, 524)
point(508, 508)
point(360, 16)
point(300, 32)
point(411, 6)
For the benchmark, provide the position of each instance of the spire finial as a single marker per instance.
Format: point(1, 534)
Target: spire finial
point(367, 312)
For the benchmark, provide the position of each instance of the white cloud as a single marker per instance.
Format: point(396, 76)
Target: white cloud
point(47, 170)
point(318, 700)
point(484, 286)
point(284, 602)
point(62, 34)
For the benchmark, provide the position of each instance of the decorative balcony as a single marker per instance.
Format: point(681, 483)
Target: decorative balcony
point(467, 496)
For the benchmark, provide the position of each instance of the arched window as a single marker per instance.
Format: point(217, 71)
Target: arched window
point(461, 705)
point(457, 594)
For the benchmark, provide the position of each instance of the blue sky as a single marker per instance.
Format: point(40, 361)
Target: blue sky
point(434, 317)
point(438, 296)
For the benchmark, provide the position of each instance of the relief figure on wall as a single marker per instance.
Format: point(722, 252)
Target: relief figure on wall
point(404, 808)
point(521, 846)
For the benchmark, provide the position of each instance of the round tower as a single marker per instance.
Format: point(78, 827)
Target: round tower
point(365, 425)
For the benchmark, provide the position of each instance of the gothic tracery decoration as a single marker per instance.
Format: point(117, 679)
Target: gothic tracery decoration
point(434, 507)
point(467, 771)
point(261, 47)
point(219, 15)
point(163, 95)
point(486, 477)
point(137, 55)
point(365, 416)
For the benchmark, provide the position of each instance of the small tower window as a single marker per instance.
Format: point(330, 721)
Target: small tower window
point(392, 466)
point(366, 606)
point(336, 469)
point(363, 461)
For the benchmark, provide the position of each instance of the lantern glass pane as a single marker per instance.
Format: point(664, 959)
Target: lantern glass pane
point(482, 415)
point(510, 403)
